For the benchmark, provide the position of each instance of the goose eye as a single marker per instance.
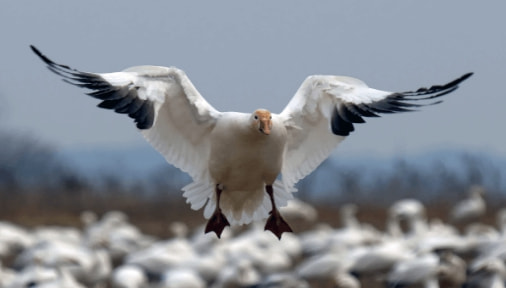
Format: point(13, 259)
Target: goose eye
point(270, 117)
point(256, 117)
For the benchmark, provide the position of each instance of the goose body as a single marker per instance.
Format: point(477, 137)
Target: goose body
point(236, 159)
point(235, 150)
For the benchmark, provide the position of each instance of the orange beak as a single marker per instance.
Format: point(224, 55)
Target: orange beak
point(265, 126)
point(263, 120)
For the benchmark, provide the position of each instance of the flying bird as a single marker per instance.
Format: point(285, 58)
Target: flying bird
point(243, 165)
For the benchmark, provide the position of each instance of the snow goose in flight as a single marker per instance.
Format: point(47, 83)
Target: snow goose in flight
point(234, 157)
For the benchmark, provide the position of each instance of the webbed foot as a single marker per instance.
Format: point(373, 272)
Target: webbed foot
point(217, 223)
point(276, 224)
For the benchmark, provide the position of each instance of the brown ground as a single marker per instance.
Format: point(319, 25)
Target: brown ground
point(153, 214)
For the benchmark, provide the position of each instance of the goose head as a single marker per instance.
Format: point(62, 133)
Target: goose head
point(261, 120)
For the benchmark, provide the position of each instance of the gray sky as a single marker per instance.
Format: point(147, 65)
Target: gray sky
point(243, 55)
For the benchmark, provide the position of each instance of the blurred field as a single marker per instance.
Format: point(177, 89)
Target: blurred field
point(152, 214)
point(38, 190)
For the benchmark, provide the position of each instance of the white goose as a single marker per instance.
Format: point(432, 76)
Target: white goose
point(240, 155)
point(470, 209)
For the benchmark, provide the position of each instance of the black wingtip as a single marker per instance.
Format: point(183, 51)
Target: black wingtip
point(50, 62)
point(121, 99)
point(340, 126)
point(41, 56)
point(462, 78)
point(453, 85)
point(35, 50)
point(465, 76)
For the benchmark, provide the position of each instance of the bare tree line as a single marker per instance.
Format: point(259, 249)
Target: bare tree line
point(35, 180)
point(381, 186)
point(28, 165)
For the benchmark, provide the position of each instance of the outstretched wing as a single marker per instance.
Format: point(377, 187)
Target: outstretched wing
point(324, 109)
point(164, 104)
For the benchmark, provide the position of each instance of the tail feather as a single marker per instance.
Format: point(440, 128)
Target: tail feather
point(198, 193)
point(201, 194)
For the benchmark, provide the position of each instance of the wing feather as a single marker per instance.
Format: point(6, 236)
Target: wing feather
point(324, 109)
point(166, 107)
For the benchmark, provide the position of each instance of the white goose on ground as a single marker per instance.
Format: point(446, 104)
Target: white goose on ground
point(182, 277)
point(238, 156)
point(328, 267)
point(471, 208)
point(129, 276)
point(422, 270)
point(85, 264)
point(7, 276)
point(488, 272)
point(13, 239)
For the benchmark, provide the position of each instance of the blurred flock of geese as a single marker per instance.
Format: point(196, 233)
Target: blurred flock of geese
point(412, 251)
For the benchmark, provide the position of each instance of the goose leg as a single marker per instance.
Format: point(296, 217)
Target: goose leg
point(218, 221)
point(275, 223)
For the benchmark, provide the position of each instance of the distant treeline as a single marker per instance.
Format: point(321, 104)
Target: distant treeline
point(29, 168)
point(435, 181)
